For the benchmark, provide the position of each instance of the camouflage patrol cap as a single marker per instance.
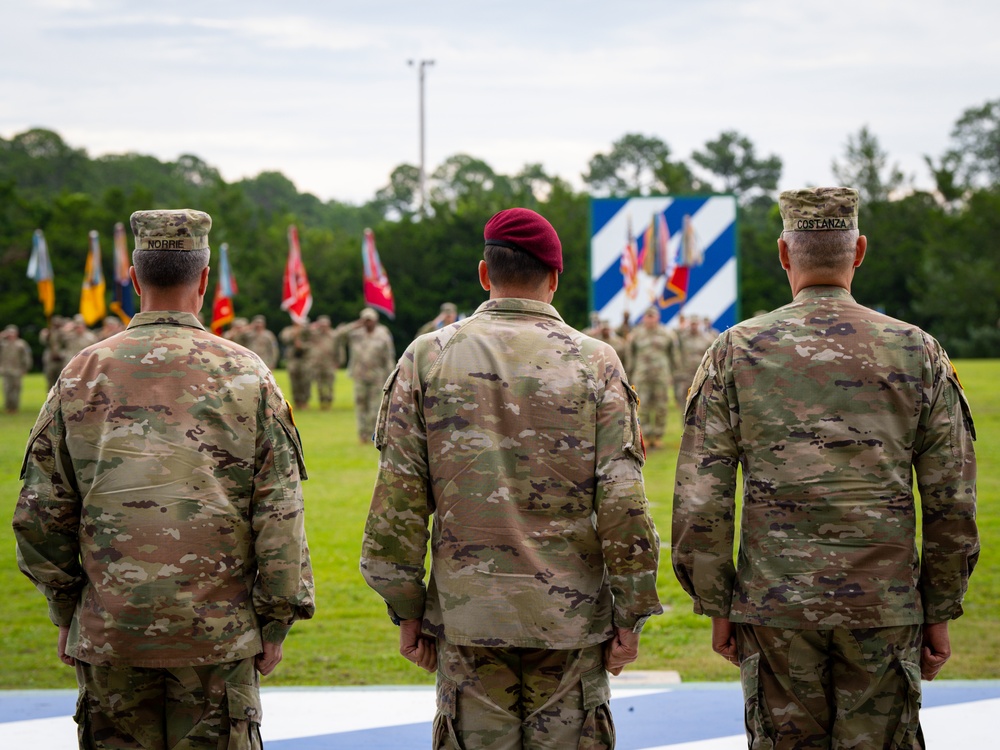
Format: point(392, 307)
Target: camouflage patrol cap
point(449, 307)
point(819, 209)
point(174, 229)
point(369, 313)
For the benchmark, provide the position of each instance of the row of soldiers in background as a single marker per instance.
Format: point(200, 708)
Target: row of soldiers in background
point(314, 352)
point(657, 359)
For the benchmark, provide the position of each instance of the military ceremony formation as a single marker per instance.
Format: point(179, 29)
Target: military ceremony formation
point(164, 510)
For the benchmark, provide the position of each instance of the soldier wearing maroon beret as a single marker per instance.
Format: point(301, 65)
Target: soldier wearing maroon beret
point(519, 435)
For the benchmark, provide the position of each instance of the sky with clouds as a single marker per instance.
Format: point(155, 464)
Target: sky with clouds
point(321, 91)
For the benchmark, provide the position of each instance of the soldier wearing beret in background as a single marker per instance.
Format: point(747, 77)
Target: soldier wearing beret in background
point(162, 517)
point(519, 435)
point(830, 408)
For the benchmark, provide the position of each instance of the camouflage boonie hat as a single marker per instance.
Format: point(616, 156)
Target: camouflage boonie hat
point(819, 209)
point(176, 229)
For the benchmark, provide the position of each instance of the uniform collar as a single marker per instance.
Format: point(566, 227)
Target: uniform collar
point(518, 305)
point(814, 292)
point(165, 317)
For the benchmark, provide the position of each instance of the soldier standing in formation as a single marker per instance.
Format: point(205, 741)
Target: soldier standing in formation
point(603, 332)
point(830, 407)
point(447, 316)
point(297, 339)
point(372, 357)
point(173, 574)
point(693, 339)
point(15, 363)
point(52, 355)
point(652, 348)
point(519, 434)
point(262, 342)
point(324, 359)
point(111, 325)
point(76, 337)
point(239, 332)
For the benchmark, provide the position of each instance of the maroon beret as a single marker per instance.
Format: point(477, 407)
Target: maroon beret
point(523, 229)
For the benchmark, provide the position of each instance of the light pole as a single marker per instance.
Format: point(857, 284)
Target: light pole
point(420, 65)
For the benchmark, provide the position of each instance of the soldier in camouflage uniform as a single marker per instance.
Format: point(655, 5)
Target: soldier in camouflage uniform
point(372, 357)
point(15, 363)
point(324, 359)
point(161, 515)
point(53, 358)
point(76, 337)
point(447, 316)
point(652, 348)
point(603, 332)
point(519, 434)
point(297, 339)
point(262, 342)
point(830, 408)
point(693, 339)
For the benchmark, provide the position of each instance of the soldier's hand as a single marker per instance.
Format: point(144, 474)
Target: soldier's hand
point(936, 650)
point(724, 640)
point(622, 649)
point(63, 656)
point(417, 647)
point(269, 659)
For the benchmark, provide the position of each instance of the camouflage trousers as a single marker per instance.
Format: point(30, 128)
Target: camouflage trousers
point(169, 708)
point(835, 689)
point(653, 401)
point(367, 399)
point(12, 392)
point(536, 699)
point(300, 379)
point(326, 377)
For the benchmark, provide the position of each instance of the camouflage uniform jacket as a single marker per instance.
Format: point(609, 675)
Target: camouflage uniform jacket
point(652, 353)
point(828, 407)
point(519, 434)
point(161, 513)
point(373, 355)
point(15, 357)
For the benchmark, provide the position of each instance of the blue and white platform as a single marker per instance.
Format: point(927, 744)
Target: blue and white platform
point(690, 716)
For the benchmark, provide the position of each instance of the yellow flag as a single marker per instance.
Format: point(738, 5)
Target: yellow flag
point(93, 305)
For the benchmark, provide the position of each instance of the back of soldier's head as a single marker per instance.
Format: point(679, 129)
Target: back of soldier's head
point(820, 227)
point(521, 249)
point(171, 246)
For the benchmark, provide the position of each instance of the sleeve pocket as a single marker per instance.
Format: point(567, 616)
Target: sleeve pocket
point(383, 410)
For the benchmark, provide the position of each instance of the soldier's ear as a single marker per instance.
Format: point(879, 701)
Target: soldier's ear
point(859, 250)
point(783, 254)
point(135, 280)
point(484, 275)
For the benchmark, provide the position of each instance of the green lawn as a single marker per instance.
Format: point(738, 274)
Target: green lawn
point(352, 642)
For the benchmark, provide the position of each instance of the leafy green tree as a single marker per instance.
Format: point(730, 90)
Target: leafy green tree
point(630, 168)
point(463, 181)
point(866, 168)
point(401, 197)
point(976, 148)
point(732, 159)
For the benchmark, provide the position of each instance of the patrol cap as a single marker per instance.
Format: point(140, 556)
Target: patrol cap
point(258, 319)
point(523, 229)
point(11, 328)
point(449, 307)
point(323, 319)
point(171, 229)
point(369, 313)
point(819, 209)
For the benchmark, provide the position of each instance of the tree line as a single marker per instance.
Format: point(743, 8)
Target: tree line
point(932, 254)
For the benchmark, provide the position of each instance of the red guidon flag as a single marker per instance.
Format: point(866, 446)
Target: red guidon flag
point(222, 308)
point(378, 293)
point(296, 296)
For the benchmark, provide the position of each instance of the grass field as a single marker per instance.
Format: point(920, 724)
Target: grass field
point(352, 642)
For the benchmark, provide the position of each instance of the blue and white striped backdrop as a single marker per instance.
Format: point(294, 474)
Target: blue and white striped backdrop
point(712, 289)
